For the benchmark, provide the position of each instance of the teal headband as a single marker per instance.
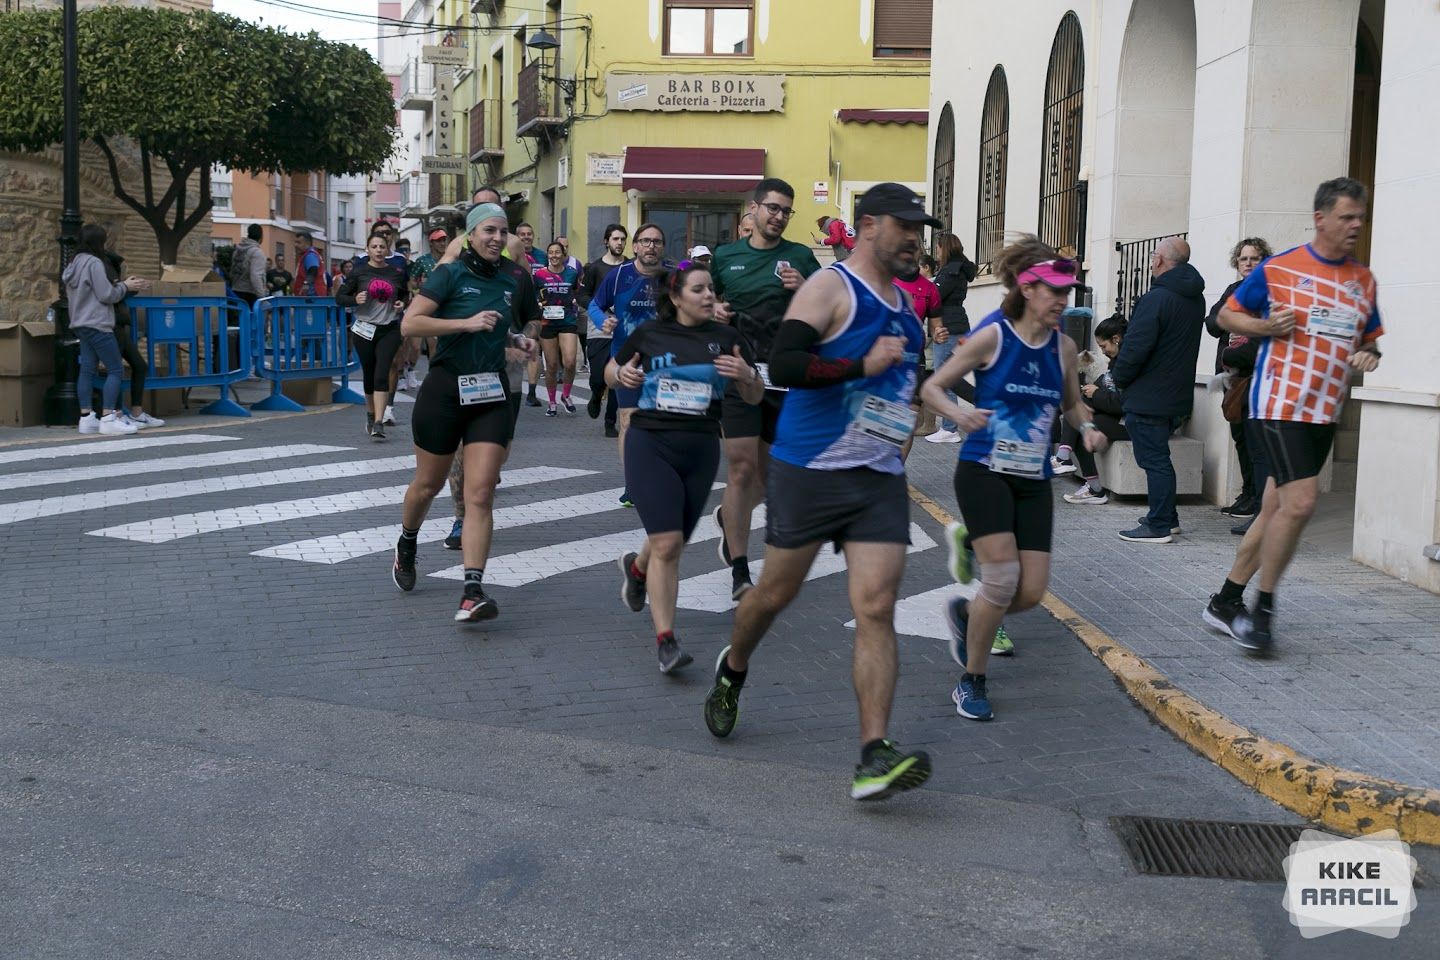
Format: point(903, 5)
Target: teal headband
point(482, 212)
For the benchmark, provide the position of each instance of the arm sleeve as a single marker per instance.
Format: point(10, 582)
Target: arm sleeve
point(345, 296)
point(106, 291)
point(1140, 338)
point(604, 297)
point(526, 309)
point(1212, 319)
point(947, 281)
point(1106, 400)
point(793, 365)
point(1253, 294)
point(257, 271)
point(1373, 327)
point(633, 346)
point(969, 269)
point(437, 285)
point(585, 290)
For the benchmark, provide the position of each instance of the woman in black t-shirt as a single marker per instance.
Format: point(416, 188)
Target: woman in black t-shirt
point(680, 363)
point(376, 290)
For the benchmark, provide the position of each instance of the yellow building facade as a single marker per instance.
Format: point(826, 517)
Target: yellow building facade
point(587, 112)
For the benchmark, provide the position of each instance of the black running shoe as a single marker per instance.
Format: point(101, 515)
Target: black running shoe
point(889, 771)
point(403, 572)
point(740, 585)
point(531, 400)
point(1220, 614)
point(550, 411)
point(671, 657)
point(377, 432)
point(632, 588)
point(369, 423)
point(722, 707)
point(594, 405)
point(475, 605)
point(1252, 631)
point(568, 404)
point(610, 432)
point(1243, 527)
point(1242, 508)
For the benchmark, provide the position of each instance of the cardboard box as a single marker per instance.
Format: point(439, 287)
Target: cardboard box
point(186, 282)
point(22, 400)
point(312, 393)
point(162, 403)
point(27, 348)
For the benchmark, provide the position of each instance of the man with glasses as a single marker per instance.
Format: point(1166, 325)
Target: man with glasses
point(1155, 372)
point(755, 279)
point(625, 300)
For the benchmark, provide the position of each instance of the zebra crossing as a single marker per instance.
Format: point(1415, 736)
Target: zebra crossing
point(96, 476)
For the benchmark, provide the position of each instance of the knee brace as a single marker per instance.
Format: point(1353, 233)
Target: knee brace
point(999, 582)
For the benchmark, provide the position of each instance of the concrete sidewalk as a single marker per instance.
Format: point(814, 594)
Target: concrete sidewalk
point(1354, 681)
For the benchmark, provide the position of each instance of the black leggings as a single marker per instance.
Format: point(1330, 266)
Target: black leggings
point(668, 474)
point(378, 355)
point(138, 367)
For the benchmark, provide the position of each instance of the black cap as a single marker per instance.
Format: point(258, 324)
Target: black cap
point(896, 200)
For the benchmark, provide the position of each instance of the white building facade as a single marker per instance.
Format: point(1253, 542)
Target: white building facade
point(1123, 121)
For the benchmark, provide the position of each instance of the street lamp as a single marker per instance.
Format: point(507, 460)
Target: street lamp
point(543, 41)
point(62, 406)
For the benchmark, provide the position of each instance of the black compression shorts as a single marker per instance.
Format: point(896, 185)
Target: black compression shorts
point(440, 424)
point(994, 502)
point(860, 505)
point(1295, 451)
point(739, 419)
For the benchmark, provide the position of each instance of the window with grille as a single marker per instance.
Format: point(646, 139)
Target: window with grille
point(1060, 139)
point(902, 28)
point(709, 28)
point(994, 153)
point(944, 169)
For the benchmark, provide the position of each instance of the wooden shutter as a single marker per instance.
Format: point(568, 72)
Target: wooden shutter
point(902, 24)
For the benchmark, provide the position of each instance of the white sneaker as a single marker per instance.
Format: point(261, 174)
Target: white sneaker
point(943, 436)
point(89, 423)
point(410, 382)
point(112, 425)
point(1061, 468)
point(1087, 495)
point(145, 420)
point(389, 418)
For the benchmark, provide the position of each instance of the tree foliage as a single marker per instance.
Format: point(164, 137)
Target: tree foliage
point(194, 90)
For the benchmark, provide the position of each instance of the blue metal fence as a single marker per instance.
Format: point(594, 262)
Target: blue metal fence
point(195, 342)
point(301, 338)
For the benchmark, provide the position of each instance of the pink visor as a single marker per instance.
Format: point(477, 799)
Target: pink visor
point(1058, 274)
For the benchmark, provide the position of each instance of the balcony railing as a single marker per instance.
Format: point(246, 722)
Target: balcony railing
point(417, 86)
point(415, 193)
point(307, 208)
point(537, 109)
point(1132, 276)
point(485, 119)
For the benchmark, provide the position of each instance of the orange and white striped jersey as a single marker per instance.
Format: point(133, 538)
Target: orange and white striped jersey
point(1304, 377)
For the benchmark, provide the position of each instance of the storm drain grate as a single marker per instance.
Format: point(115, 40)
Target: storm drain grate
point(1216, 849)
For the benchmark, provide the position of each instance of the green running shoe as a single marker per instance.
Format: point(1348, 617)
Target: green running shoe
point(955, 535)
point(722, 707)
point(1002, 646)
point(889, 771)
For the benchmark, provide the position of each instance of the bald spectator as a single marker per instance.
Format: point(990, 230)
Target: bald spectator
point(1155, 372)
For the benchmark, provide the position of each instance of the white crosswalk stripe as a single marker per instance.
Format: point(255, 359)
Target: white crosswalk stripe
point(166, 529)
point(126, 445)
point(920, 615)
point(107, 498)
point(340, 547)
point(131, 468)
point(710, 592)
point(529, 566)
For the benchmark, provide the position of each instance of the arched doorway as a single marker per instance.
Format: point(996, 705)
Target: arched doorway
point(943, 180)
point(1061, 137)
point(994, 160)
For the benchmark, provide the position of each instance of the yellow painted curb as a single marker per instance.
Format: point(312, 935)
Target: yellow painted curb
point(1341, 799)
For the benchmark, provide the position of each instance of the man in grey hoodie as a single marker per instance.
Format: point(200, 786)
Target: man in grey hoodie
point(247, 266)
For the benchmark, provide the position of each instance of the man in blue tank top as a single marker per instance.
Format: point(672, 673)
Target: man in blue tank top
point(849, 351)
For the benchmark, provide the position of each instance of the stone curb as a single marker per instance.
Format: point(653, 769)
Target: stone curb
point(1343, 800)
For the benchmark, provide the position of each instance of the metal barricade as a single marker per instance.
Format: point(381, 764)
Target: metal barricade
point(195, 342)
point(301, 338)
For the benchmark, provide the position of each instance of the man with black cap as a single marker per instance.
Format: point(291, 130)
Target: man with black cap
point(849, 351)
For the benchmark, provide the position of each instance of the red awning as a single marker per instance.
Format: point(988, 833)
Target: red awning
point(692, 169)
point(861, 115)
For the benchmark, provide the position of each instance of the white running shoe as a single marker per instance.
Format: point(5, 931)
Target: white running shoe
point(389, 418)
point(145, 420)
point(410, 382)
point(89, 423)
point(1062, 467)
point(1086, 495)
point(943, 436)
point(112, 425)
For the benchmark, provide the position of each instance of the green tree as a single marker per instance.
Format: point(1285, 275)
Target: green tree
point(194, 90)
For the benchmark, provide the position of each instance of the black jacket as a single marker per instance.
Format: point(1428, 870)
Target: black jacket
point(1212, 324)
point(954, 283)
point(1156, 365)
point(1107, 397)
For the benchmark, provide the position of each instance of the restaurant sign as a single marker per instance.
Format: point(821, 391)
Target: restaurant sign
point(696, 92)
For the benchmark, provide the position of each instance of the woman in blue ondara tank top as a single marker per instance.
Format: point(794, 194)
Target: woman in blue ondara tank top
point(1025, 369)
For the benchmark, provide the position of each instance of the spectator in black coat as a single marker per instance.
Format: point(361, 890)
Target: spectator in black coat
point(1156, 373)
point(1245, 257)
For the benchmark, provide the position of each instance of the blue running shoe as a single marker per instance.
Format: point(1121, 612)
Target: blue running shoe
point(452, 542)
point(959, 624)
point(972, 700)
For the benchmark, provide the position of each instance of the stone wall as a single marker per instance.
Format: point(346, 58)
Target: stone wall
point(30, 204)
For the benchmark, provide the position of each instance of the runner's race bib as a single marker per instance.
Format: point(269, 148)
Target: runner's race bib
point(682, 396)
point(363, 329)
point(885, 420)
point(764, 369)
point(479, 388)
point(1019, 458)
point(1334, 323)
point(553, 313)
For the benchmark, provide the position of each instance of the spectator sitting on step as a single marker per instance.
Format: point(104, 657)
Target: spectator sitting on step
point(1105, 401)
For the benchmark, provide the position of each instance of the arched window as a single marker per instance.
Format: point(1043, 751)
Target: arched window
point(944, 178)
point(994, 149)
point(1060, 139)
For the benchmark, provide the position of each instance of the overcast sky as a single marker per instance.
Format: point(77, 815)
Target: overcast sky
point(295, 21)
